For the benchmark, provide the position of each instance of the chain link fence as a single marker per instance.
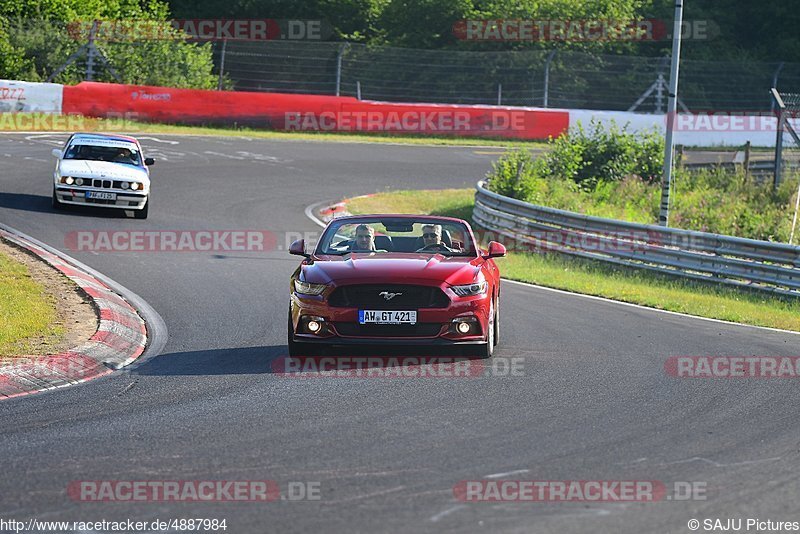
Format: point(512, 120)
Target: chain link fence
point(556, 79)
point(559, 79)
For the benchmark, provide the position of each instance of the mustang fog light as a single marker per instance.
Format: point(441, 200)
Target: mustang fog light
point(310, 324)
point(68, 180)
point(464, 325)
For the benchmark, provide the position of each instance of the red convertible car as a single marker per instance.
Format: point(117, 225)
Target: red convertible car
point(395, 280)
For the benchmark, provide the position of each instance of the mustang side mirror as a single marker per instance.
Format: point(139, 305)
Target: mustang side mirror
point(298, 248)
point(56, 152)
point(149, 161)
point(496, 250)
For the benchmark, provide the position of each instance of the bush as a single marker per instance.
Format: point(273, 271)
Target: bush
point(606, 155)
point(711, 201)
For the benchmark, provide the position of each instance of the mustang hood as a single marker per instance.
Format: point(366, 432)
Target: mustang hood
point(78, 168)
point(391, 268)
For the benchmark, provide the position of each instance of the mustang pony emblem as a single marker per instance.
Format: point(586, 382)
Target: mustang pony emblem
point(387, 295)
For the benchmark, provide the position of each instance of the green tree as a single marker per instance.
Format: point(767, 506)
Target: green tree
point(39, 37)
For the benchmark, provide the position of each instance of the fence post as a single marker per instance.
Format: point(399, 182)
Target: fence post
point(499, 94)
point(775, 85)
point(776, 97)
point(747, 162)
point(222, 64)
point(547, 77)
point(90, 53)
point(339, 68)
point(358, 90)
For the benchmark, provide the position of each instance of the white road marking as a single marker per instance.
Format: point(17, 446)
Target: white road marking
point(157, 140)
point(501, 475)
point(447, 512)
point(210, 153)
point(719, 464)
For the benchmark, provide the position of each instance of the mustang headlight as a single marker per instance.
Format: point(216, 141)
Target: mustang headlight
point(309, 289)
point(468, 290)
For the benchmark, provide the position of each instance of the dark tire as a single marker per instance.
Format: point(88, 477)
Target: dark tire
point(485, 350)
point(497, 321)
point(57, 205)
point(299, 349)
point(142, 213)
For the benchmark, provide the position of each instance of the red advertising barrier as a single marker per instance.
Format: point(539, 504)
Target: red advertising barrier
point(309, 112)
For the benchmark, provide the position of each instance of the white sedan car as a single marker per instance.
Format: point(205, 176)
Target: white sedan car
point(105, 171)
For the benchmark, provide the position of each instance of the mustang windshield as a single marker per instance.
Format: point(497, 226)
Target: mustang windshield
point(386, 235)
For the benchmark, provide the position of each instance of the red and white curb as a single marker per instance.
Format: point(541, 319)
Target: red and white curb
point(119, 340)
point(329, 211)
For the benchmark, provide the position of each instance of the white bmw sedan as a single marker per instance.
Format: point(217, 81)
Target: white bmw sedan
point(105, 171)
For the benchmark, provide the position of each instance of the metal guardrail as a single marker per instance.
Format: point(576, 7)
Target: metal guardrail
point(762, 265)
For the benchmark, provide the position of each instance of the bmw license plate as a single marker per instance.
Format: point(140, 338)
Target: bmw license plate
point(101, 195)
point(386, 317)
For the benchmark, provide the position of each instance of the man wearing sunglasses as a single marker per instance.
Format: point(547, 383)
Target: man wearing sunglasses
point(432, 239)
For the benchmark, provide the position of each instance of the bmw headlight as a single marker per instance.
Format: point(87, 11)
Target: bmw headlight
point(308, 289)
point(469, 290)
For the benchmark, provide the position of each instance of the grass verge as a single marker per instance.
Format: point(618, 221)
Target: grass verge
point(27, 311)
point(25, 122)
point(596, 278)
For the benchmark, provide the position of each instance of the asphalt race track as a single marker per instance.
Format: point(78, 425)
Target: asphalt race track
point(593, 401)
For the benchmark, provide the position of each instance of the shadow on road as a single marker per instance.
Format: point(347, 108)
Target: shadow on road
point(42, 204)
point(273, 360)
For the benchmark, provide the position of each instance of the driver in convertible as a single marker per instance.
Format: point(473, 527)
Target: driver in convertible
point(365, 239)
point(432, 239)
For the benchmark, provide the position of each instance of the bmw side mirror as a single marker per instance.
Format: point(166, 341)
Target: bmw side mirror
point(56, 152)
point(149, 161)
point(496, 250)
